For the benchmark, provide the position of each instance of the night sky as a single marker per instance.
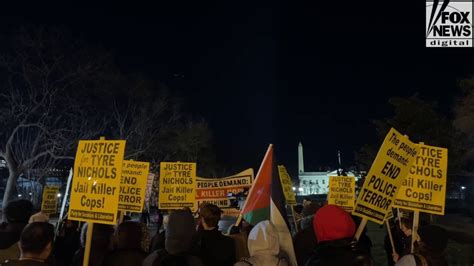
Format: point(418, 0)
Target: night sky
point(316, 71)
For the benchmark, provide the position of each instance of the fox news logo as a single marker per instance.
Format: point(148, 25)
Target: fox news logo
point(449, 23)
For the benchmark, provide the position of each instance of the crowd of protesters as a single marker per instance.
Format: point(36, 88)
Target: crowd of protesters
point(324, 237)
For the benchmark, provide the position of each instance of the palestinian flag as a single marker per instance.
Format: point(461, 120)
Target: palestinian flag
point(266, 201)
point(257, 204)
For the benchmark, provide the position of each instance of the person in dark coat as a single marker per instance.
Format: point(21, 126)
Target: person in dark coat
point(304, 240)
point(16, 213)
point(213, 247)
point(401, 240)
point(67, 242)
point(36, 244)
point(158, 240)
point(335, 229)
point(430, 248)
point(100, 245)
point(178, 243)
point(240, 236)
point(128, 250)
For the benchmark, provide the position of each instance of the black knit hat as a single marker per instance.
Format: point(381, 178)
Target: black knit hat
point(434, 237)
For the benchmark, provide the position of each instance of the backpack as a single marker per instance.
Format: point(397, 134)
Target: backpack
point(164, 258)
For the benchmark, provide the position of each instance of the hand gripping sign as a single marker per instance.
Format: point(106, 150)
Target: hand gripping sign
point(389, 170)
point(96, 181)
point(342, 192)
point(177, 185)
point(133, 186)
point(424, 189)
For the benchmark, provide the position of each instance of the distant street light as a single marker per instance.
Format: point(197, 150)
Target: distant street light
point(463, 187)
point(59, 195)
point(19, 195)
point(294, 188)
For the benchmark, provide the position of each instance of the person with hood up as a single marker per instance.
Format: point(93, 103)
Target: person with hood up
point(429, 248)
point(16, 213)
point(264, 247)
point(178, 243)
point(335, 229)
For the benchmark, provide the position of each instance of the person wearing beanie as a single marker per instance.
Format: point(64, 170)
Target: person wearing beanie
point(429, 248)
point(16, 213)
point(334, 230)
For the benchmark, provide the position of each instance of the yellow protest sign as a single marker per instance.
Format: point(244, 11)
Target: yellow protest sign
point(217, 190)
point(424, 189)
point(133, 186)
point(96, 181)
point(287, 185)
point(177, 185)
point(50, 200)
point(342, 192)
point(390, 168)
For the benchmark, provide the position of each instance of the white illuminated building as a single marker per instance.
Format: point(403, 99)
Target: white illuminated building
point(313, 182)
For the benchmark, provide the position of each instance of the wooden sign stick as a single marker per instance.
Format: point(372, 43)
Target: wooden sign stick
point(359, 231)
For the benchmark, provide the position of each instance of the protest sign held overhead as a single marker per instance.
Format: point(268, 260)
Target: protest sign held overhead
point(96, 181)
point(342, 192)
point(177, 185)
point(389, 170)
point(287, 185)
point(217, 190)
point(133, 186)
point(424, 189)
point(50, 200)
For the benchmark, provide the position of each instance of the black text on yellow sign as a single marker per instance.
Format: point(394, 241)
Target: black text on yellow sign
point(287, 185)
point(133, 186)
point(177, 185)
point(50, 199)
point(96, 181)
point(390, 168)
point(342, 192)
point(425, 187)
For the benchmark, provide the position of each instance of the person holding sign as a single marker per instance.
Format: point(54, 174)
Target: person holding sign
point(402, 240)
point(430, 248)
